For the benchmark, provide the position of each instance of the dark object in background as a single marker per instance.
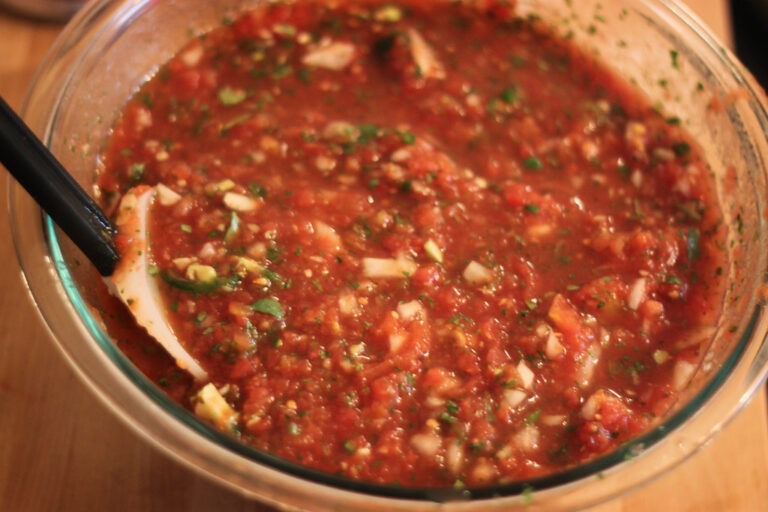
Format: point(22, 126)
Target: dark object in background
point(750, 26)
point(53, 10)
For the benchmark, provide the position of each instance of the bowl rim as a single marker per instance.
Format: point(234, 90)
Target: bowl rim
point(60, 274)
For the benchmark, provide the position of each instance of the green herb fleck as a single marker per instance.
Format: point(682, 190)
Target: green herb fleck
point(533, 417)
point(269, 307)
point(136, 172)
point(532, 163)
point(674, 54)
point(532, 208)
point(229, 96)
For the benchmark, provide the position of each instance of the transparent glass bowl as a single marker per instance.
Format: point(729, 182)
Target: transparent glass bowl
point(113, 46)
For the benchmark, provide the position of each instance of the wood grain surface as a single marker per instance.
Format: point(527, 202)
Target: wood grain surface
point(60, 450)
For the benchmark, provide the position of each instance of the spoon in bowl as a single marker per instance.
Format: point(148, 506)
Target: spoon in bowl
point(125, 266)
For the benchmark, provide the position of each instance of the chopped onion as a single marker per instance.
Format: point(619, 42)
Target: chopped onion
point(387, 267)
point(553, 420)
point(212, 407)
point(636, 294)
point(207, 251)
point(330, 239)
point(427, 444)
point(454, 456)
point(526, 375)
point(434, 402)
point(588, 363)
point(661, 356)
point(183, 263)
point(483, 471)
point(433, 250)
point(395, 342)
point(334, 56)
point(341, 131)
point(192, 56)
point(528, 438)
point(475, 273)
point(401, 155)
point(409, 310)
point(348, 304)
point(514, 397)
point(591, 406)
point(424, 57)
point(167, 196)
point(239, 202)
point(201, 273)
point(682, 374)
point(553, 348)
point(248, 266)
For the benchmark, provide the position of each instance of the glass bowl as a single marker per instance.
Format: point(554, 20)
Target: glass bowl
point(113, 46)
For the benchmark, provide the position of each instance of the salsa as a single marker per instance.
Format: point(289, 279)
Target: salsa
point(417, 244)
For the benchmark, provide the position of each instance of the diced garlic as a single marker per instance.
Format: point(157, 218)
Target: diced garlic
point(335, 56)
point(475, 273)
point(239, 202)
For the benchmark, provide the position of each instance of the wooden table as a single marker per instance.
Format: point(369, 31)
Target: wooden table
point(60, 450)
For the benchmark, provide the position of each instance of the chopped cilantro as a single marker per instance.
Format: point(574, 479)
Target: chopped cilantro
point(533, 417)
point(681, 149)
point(532, 208)
point(281, 71)
point(407, 137)
point(269, 307)
point(673, 55)
point(532, 163)
point(509, 95)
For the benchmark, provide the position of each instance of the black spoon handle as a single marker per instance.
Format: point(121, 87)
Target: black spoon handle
point(46, 180)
